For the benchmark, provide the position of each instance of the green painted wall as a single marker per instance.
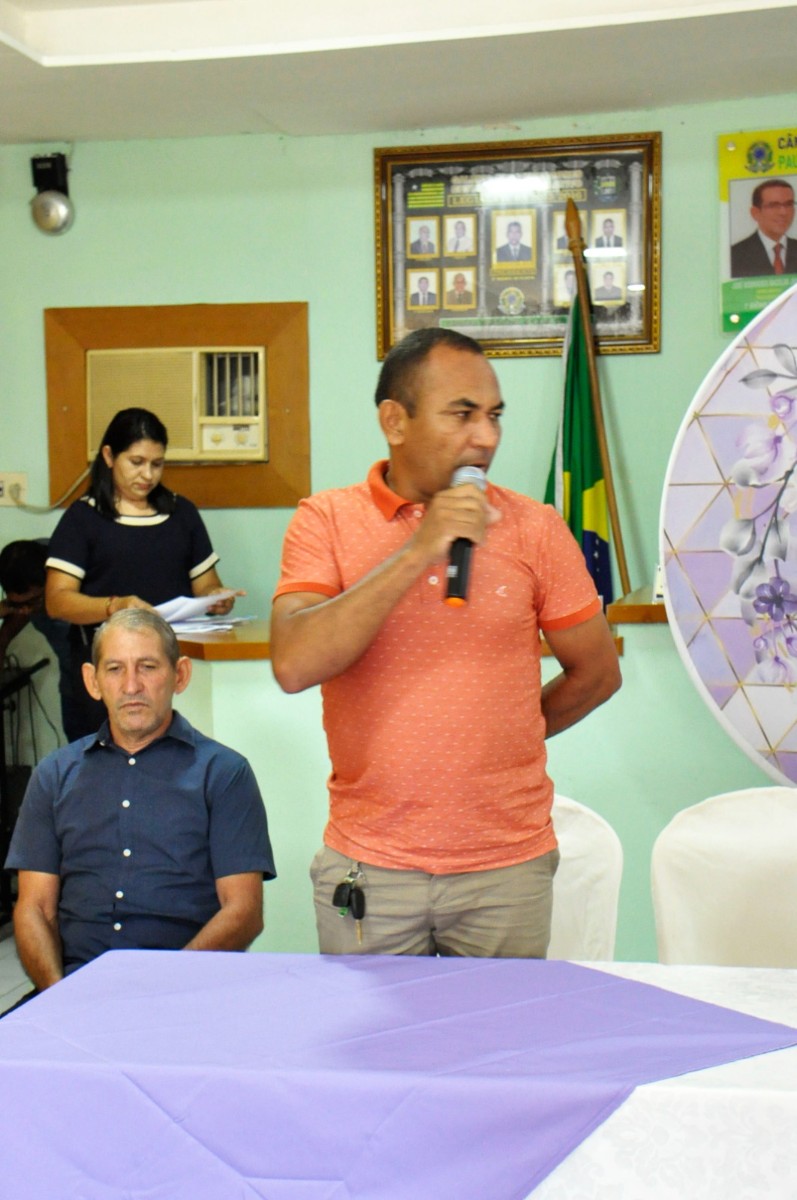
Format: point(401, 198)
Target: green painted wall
point(273, 219)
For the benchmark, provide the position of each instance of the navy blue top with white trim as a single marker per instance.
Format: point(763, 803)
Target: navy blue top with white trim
point(154, 557)
point(140, 839)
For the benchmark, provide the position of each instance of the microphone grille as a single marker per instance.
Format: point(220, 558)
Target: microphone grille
point(470, 475)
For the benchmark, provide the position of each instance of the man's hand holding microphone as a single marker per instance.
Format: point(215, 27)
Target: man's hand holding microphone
point(456, 521)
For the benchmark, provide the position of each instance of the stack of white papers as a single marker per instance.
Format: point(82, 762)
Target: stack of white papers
point(201, 625)
point(189, 608)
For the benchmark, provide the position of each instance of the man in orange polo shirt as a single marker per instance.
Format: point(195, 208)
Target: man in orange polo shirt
point(435, 716)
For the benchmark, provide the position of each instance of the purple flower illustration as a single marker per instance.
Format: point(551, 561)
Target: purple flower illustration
point(782, 405)
point(778, 670)
point(758, 537)
point(775, 657)
point(774, 599)
point(766, 454)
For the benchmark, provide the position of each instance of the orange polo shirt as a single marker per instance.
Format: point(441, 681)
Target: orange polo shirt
point(436, 734)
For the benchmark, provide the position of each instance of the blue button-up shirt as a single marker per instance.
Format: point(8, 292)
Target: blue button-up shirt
point(139, 840)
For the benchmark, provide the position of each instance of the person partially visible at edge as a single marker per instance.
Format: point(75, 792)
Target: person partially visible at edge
point(146, 835)
point(128, 542)
point(22, 577)
point(436, 717)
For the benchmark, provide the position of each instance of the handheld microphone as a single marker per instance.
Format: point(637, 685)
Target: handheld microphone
point(458, 569)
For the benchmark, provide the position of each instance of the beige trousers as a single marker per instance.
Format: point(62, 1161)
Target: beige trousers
point(500, 913)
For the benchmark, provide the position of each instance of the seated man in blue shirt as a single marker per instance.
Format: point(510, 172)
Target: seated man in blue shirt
point(145, 835)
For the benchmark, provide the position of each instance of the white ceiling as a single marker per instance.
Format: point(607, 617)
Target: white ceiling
point(78, 70)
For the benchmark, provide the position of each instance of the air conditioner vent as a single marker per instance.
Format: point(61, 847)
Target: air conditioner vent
point(211, 399)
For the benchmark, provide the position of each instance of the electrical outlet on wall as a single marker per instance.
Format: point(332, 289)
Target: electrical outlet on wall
point(13, 487)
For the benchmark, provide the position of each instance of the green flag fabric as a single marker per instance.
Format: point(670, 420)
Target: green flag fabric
point(575, 483)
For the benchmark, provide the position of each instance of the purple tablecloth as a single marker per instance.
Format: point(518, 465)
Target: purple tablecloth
point(179, 1076)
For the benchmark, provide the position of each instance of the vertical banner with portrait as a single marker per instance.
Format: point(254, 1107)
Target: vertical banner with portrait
point(758, 238)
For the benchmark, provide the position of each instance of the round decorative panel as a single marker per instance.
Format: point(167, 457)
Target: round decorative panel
point(729, 539)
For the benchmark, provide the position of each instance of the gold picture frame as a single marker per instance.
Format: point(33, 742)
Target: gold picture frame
point(494, 212)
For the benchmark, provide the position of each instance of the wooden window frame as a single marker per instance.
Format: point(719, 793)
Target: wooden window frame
point(281, 328)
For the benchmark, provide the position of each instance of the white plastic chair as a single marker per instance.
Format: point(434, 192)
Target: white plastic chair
point(586, 887)
point(724, 881)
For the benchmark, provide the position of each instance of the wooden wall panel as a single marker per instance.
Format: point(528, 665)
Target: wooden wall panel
point(281, 328)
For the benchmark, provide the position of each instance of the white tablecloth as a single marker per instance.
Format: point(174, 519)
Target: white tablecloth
point(727, 1133)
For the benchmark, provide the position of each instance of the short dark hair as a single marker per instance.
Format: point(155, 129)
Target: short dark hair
point(758, 192)
point(22, 566)
point(130, 425)
point(138, 620)
point(398, 378)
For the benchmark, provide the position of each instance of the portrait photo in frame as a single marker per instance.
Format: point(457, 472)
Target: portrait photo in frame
point(459, 288)
point(564, 285)
point(423, 237)
point(423, 290)
point(561, 241)
point(608, 230)
point(495, 211)
point(607, 283)
point(757, 174)
point(460, 235)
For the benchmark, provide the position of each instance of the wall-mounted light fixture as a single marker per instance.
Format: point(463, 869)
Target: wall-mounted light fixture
point(51, 207)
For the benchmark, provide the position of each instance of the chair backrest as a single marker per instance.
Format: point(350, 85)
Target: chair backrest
point(586, 887)
point(724, 881)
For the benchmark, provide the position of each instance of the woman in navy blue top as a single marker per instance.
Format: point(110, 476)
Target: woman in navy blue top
point(128, 542)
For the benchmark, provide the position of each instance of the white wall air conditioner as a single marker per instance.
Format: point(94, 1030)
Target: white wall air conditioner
point(212, 400)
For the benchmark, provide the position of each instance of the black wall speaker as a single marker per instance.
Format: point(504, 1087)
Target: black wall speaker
point(49, 173)
point(51, 207)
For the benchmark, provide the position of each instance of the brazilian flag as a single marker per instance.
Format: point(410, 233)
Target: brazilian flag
point(575, 484)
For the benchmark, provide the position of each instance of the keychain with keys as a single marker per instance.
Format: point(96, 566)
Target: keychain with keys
point(357, 909)
point(350, 897)
point(342, 896)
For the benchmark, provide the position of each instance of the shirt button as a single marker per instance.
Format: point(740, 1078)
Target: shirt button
point(433, 579)
point(117, 926)
point(132, 762)
point(119, 895)
point(127, 853)
point(125, 804)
